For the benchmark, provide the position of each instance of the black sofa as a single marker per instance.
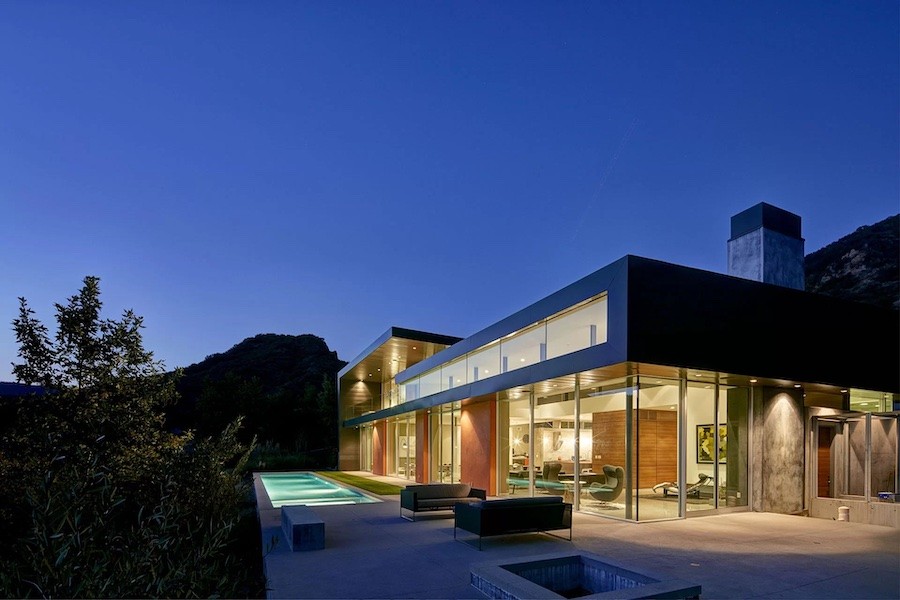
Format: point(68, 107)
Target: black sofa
point(513, 515)
point(437, 496)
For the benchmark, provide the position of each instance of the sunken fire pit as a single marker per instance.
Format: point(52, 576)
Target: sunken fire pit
point(569, 575)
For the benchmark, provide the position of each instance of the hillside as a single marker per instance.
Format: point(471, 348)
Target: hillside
point(282, 384)
point(281, 363)
point(863, 266)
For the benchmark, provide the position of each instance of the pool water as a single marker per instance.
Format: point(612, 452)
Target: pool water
point(291, 489)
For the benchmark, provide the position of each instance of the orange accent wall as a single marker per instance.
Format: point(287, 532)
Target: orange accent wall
point(422, 450)
point(477, 445)
point(379, 439)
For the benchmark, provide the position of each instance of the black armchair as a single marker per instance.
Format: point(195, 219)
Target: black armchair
point(610, 489)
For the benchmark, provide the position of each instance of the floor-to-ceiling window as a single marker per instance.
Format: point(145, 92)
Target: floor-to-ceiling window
point(857, 456)
point(445, 449)
point(717, 446)
point(516, 455)
point(365, 447)
point(401, 457)
point(656, 448)
point(607, 469)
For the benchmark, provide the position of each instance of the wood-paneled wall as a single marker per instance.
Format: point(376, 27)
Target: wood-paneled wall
point(656, 452)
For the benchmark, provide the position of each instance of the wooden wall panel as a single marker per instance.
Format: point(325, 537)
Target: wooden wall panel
point(657, 447)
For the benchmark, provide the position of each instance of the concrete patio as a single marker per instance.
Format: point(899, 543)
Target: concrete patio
point(370, 552)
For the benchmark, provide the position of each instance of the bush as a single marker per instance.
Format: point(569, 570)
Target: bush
point(96, 498)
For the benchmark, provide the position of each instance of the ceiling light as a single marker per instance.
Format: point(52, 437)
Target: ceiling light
point(843, 391)
point(698, 375)
point(414, 347)
point(370, 374)
point(796, 385)
point(707, 386)
point(521, 360)
point(753, 380)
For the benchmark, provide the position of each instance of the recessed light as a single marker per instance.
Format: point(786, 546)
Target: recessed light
point(796, 385)
point(486, 371)
point(370, 374)
point(659, 382)
point(707, 386)
point(698, 375)
point(379, 369)
point(843, 391)
point(521, 360)
point(753, 380)
point(414, 347)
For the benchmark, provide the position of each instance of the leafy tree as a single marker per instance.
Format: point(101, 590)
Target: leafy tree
point(97, 499)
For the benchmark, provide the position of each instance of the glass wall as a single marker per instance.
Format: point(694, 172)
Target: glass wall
point(607, 464)
point(365, 447)
point(445, 450)
point(525, 348)
point(718, 432)
point(656, 426)
point(569, 331)
point(514, 415)
point(402, 447)
point(578, 328)
point(857, 456)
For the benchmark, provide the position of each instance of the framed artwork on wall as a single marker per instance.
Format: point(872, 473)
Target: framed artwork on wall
point(706, 443)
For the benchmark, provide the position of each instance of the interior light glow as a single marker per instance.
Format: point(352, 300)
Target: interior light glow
point(796, 385)
point(753, 380)
point(521, 360)
point(843, 391)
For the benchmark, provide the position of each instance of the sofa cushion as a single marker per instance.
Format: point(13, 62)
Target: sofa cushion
point(440, 491)
point(511, 502)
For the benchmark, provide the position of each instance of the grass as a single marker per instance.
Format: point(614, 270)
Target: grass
point(363, 483)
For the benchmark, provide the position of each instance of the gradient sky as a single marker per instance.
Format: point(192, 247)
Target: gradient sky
point(234, 168)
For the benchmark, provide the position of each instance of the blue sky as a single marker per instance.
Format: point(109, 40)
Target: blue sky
point(234, 168)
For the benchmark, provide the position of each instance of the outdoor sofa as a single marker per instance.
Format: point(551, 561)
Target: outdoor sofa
point(540, 514)
point(437, 496)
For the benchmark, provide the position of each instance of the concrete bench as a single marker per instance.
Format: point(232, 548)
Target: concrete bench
point(303, 528)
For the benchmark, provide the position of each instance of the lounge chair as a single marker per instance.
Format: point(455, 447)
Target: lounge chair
point(670, 488)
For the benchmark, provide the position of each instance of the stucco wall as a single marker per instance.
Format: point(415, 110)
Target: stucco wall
point(379, 445)
point(476, 423)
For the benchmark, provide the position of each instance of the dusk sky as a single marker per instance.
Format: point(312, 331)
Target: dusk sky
point(335, 168)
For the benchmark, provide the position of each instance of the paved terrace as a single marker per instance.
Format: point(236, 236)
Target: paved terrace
point(370, 552)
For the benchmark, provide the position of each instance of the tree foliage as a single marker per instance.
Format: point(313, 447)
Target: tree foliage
point(97, 499)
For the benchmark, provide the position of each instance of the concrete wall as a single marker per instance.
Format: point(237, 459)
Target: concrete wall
point(745, 256)
point(884, 455)
point(477, 451)
point(778, 450)
point(767, 256)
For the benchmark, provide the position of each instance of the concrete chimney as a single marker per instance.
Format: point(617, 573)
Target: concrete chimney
point(766, 246)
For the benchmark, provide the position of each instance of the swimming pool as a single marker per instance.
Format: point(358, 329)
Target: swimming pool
point(290, 489)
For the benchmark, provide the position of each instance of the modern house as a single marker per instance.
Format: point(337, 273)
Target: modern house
point(685, 391)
